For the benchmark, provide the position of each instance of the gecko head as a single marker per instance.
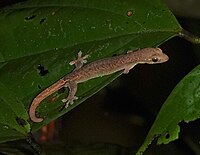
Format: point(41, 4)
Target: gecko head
point(154, 56)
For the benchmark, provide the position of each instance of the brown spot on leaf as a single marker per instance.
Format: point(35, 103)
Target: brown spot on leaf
point(30, 17)
point(20, 121)
point(53, 99)
point(42, 20)
point(129, 13)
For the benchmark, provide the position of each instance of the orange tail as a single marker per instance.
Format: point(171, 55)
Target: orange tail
point(40, 97)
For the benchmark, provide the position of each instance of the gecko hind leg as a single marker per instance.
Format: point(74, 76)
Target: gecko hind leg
point(71, 97)
point(128, 68)
point(79, 61)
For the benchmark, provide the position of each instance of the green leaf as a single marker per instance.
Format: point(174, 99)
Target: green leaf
point(181, 105)
point(50, 33)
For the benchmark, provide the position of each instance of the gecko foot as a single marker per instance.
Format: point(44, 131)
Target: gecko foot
point(68, 102)
point(79, 61)
point(128, 68)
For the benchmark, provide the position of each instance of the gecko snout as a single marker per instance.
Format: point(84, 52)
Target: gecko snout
point(164, 58)
point(158, 58)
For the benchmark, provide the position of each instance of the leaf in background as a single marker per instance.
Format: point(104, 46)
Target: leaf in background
point(50, 33)
point(181, 105)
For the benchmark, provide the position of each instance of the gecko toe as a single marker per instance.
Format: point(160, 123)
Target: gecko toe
point(86, 56)
point(84, 61)
point(64, 100)
point(79, 54)
point(66, 105)
point(72, 63)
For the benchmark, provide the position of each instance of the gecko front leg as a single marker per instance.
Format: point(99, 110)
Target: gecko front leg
point(79, 61)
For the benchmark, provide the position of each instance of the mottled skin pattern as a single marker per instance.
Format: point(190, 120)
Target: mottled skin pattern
point(95, 69)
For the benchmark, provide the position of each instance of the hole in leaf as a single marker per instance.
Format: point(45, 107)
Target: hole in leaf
point(37, 114)
point(20, 121)
point(39, 86)
point(167, 135)
point(42, 20)
point(61, 90)
point(61, 108)
point(30, 17)
point(42, 70)
point(114, 55)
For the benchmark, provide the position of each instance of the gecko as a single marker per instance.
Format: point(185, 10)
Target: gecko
point(95, 69)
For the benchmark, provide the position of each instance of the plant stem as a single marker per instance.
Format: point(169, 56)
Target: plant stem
point(189, 36)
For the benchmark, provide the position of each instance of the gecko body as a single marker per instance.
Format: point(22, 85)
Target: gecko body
point(96, 69)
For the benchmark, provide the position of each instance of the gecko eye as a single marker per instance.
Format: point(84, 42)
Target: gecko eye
point(154, 59)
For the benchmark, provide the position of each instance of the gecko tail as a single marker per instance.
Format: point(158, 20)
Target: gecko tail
point(35, 119)
point(40, 97)
point(32, 113)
